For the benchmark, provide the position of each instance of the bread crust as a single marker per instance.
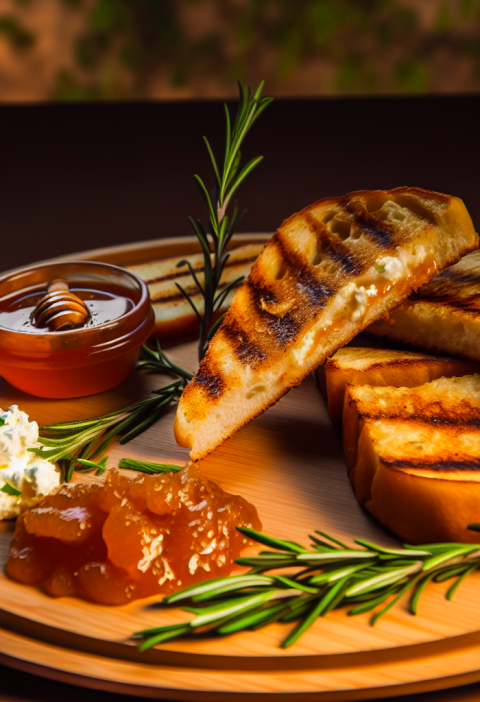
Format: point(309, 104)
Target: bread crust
point(320, 280)
point(413, 457)
point(381, 367)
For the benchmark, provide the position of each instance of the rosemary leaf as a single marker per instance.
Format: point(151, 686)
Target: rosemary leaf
point(166, 634)
point(330, 576)
point(369, 605)
point(455, 551)
point(229, 608)
point(394, 601)
point(146, 467)
point(251, 619)
point(378, 581)
point(331, 538)
point(270, 541)
point(332, 556)
point(99, 465)
point(317, 610)
point(419, 588)
point(216, 586)
point(452, 589)
point(392, 551)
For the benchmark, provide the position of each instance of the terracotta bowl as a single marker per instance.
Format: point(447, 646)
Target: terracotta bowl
point(80, 361)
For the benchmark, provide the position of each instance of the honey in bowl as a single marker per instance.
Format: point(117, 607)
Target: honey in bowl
point(130, 538)
point(102, 307)
point(91, 356)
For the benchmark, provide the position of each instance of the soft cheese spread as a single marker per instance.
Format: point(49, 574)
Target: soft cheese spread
point(25, 478)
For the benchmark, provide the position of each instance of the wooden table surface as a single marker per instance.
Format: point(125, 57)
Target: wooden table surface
point(78, 177)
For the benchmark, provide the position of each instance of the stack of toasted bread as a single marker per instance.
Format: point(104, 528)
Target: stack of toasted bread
point(411, 421)
point(369, 260)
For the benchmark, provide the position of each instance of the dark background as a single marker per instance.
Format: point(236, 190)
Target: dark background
point(74, 177)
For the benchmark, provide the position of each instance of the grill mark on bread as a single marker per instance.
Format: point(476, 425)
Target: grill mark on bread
point(398, 362)
point(209, 378)
point(338, 252)
point(435, 466)
point(453, 277)
point(335, 249)
point(285, 327)
point(184, 271)
point(245, 349)
point(444, 417)
point(380, 231)
point(317, 292)
point(260, 294)
point(445, 289)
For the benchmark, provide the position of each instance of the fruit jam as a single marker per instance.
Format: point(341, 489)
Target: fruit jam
point(129, 538)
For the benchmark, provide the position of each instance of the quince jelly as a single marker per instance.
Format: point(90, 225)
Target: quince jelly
point(129, 538)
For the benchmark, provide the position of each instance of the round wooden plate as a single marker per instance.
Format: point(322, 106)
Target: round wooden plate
point(289, 463)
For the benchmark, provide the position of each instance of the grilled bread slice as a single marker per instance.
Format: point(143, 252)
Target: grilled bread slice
point(381, 367)
point(173, 314)
point(328, 272)
point(413, 457)
point(444, 315)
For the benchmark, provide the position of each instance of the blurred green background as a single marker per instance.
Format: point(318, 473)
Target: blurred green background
point(173, 49)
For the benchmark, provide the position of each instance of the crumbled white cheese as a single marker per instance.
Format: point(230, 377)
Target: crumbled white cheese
point(395, 267)
point(359, 298)
point(390, 267)
point(20, 469)
point(301, 353)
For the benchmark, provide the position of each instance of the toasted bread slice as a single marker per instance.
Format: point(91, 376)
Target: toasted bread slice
point(444, 315)
point(173, 314)
point(327, 273)
point(381, 367)
point(413, 456)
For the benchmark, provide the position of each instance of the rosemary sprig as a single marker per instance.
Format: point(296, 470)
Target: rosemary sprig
point(328, 575)
point(66, 442)
point(228, 176)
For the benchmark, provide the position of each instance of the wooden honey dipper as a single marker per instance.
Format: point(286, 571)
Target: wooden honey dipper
point(59, 309)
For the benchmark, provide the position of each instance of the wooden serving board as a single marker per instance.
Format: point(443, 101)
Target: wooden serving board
point(289, 464)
